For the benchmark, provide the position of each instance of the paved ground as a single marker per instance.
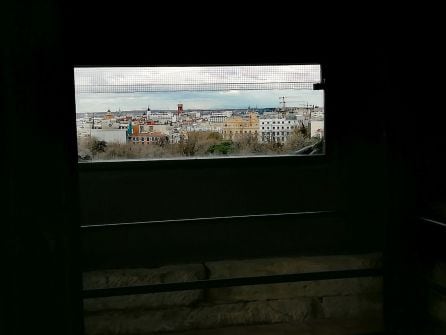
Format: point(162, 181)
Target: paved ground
point(323, 327)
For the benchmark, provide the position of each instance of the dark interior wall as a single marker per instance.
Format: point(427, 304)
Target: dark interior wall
point(350, 179)
point(372, 178)
point(39, 232)
point(356, 111)
point(204, 188)
point(415, 168)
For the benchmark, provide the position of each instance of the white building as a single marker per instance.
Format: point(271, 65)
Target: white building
point(176, 135)
point(219, 117)
point(278, 129)
point(204, 126)
point(112, 124)
point(86, 125)
point(317, 114)
point(162, 117)
point(110, 135)
point(162, 128)
point(317, 128)
point(195, 114)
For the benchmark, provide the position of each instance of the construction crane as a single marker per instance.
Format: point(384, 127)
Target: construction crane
point(304, 104)
point(283, 101)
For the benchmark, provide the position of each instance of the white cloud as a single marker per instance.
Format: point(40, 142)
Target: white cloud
point(230, 92)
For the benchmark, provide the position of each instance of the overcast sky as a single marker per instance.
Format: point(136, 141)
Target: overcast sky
point(100, 89)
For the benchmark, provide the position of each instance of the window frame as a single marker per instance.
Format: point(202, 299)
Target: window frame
point(326, 157)
point(320, 166)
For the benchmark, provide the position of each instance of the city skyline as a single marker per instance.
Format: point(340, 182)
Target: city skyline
point(228, 99)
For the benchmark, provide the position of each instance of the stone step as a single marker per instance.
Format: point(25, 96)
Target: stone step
point(315, 327)
point(142, 322)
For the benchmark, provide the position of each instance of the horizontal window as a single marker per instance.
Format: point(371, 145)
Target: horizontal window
point(179, 111)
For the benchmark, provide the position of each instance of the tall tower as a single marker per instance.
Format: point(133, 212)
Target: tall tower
point(108, 115)
point(180, 109)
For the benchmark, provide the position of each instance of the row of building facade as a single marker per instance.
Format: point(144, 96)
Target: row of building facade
point(173, 127)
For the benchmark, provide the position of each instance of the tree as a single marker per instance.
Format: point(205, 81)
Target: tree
point(303, 130)
point(300, 139)
point(98, 146)
point(221, 148)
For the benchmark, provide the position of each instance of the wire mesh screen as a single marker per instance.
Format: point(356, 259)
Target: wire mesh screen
point(196, 78)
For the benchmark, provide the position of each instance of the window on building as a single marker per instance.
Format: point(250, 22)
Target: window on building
point(173, 101)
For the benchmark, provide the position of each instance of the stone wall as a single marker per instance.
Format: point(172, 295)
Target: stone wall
point(354, 298)
point(437, 299)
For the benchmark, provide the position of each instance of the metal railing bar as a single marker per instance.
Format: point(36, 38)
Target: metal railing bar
point(439, 223)
point(229, 282)
point(215, 218)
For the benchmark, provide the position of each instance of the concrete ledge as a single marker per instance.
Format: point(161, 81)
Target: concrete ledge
point(323, 288)
point(362, 306)
point(234, 306)
point(141, 276)
point(313, 327)
point(436, 299)
point(144, 301)
point(439, 274)
point(132, 277)
point(210, 316)
point(437, 307)
point(286, 265)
